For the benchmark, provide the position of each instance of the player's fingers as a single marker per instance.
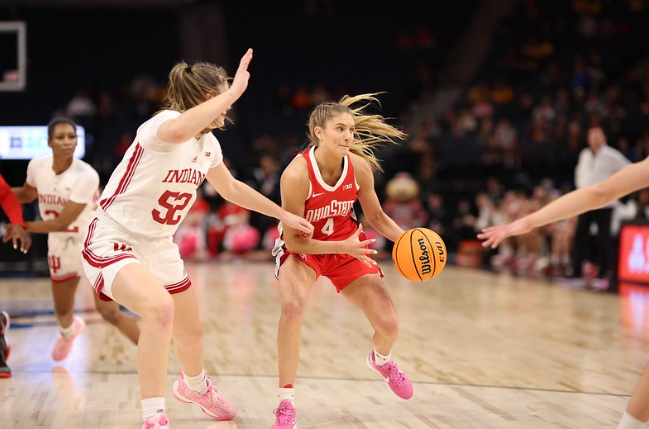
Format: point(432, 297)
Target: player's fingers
point(367, 261)
point(305, 227)
point(358, 230)
point(245, 60)
point(367, 242)
point(25, 245)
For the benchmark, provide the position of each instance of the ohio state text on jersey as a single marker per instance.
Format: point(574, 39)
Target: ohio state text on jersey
point(331, 208)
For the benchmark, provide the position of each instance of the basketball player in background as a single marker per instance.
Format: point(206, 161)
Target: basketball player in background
point(624, 182)
point(67, 190)
point(17, 234)
point(322, 184)
point(129, 254)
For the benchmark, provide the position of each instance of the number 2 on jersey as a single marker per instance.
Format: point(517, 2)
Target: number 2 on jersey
point(173, 202)
point(328, 227)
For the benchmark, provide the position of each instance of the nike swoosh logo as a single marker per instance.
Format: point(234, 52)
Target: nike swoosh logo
point(317, 195)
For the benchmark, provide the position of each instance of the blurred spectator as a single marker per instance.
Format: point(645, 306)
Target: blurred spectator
point(81, 106)
point(301, 99)
point(240, 237)
point(402, 203)
point(596, 163)
point(502, 93)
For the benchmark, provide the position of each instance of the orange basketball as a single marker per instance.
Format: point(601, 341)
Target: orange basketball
point(419, 254)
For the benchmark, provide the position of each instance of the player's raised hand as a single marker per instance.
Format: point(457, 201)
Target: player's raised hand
point(240, 82)
point(494, 235)
point(359, 249)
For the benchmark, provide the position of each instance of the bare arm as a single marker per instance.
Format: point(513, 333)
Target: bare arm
point(16, 232)
point(243, 195)
point(625, 181)
point(193, 121)
point(295, 188)
point(372, 209)
point(26, 194)
point(69, 214)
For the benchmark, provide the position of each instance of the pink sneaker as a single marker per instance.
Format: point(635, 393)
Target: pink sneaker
point(63, 345)
point(286, 416)
point(158, 422)
point(396, 379)
point(5, 348)
point(212, 402)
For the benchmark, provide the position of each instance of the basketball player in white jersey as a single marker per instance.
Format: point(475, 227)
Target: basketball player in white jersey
point(630, 179)
point(322, 184)
point(129, 254)
point(67, 190)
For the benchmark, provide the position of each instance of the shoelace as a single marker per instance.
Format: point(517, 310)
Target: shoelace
point(395, 375)
point(284, 415)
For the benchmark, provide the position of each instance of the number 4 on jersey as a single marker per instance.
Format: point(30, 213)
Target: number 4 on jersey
point(328, 227)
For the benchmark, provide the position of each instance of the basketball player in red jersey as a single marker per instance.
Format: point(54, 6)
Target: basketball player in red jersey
point(322, 184)
point(129, 254)
point(629, 179)
point(17, 234)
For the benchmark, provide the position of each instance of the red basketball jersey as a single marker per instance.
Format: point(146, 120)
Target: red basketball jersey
point(331, 208)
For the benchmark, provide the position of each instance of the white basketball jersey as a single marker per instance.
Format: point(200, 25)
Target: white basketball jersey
point(79, 184)
point(152, 189)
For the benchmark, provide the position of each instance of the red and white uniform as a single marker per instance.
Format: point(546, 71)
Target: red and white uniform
point(79, 184)
point(331, 211)
point(144, 202)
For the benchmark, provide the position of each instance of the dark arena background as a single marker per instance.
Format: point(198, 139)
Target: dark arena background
point(498, 100)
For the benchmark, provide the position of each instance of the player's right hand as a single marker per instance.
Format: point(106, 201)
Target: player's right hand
point(359, 249)
point(240, 81)
point(17, 233)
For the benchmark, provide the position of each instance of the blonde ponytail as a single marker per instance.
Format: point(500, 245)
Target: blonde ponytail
point(371, 130)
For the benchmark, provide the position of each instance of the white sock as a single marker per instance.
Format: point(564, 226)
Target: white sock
point(197, 383)
point(629, 422)
point(152, 407)
point(286, 394)
point(381, 359)
point(69, 331)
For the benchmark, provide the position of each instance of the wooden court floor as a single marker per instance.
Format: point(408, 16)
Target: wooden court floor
point(483, 350)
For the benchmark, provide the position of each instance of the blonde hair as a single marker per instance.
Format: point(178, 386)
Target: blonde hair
point(189, 84)
point(370, 130)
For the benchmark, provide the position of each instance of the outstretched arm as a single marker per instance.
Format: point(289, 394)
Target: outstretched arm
point(625, 181)
point(61, 222)
point(193, 121)
point(243, 195)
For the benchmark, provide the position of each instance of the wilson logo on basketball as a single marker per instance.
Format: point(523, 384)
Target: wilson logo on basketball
point(423, 258)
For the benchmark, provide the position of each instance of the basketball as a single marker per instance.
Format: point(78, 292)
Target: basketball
point(419, 254)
